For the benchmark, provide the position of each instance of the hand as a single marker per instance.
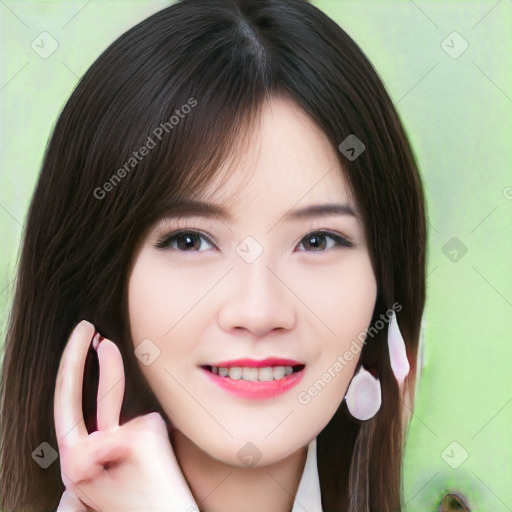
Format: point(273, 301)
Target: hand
point(117, 468)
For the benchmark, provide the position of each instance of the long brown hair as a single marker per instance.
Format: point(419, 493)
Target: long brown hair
point(222, 58)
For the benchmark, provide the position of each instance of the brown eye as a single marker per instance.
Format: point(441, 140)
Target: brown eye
point(317, 240)
point(184, 241)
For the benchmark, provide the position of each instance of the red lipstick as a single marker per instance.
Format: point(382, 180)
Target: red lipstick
point(253, 363)
point(256, 390)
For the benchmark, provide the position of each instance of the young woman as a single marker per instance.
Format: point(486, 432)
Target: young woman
point(222, 277)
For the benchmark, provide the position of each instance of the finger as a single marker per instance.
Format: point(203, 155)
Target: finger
point(106, 448)
point(111, 385)
point(70, 503)
point(68, 415)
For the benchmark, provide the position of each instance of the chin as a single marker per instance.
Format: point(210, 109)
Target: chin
point(257, 453)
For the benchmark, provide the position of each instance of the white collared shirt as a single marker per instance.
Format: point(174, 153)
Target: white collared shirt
point(308, 497)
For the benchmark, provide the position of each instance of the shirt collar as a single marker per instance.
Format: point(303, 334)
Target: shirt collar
point(308, 497)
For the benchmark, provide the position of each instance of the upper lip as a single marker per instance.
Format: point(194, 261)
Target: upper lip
point(254, 363)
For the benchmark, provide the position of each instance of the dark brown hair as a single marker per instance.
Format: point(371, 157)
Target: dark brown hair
point(224, 59)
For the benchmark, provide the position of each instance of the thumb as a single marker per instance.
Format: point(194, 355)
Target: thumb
point(107, 447)
point(100, 449)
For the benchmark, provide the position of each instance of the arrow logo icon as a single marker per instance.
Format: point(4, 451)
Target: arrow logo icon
point(249, 454)
point(454, 249)
point(44, 455)
point(352, 147)
point(249, 249)
point(454, 45)
point(146, 352)
point(40, 455)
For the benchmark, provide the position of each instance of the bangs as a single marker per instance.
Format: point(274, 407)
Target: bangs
point(165, 127)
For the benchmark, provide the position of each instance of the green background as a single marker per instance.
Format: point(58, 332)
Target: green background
point(457, 109)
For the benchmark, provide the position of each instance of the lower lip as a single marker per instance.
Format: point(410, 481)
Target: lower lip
point(256, 390)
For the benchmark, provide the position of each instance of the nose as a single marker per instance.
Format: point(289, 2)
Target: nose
point(255, 298)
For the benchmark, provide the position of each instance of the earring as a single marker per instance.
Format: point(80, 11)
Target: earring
point(363, 396)
point(397, 352)
point(364, 392)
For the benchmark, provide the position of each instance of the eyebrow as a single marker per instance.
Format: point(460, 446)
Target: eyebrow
point(210, 210)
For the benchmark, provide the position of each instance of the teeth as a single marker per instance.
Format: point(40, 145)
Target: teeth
point(249, 374)
point(279, 372)
point(235, 372)
point(265, 374)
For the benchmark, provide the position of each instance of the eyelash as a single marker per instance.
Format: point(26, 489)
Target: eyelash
point(164, 242)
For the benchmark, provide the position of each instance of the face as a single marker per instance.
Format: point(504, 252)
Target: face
point(260, 284)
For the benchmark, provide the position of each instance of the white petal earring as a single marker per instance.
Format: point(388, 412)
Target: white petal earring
point(397, 352)
point(364, 392)
point(363, 396)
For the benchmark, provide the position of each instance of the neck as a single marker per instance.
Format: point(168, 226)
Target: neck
point(220, 487)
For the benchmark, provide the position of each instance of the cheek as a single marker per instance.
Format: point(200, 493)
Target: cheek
point(160, 306)
point(356, 301)
point(162, 298)
point(344, 299)
point(340, 297)
point(165, 307)
point(148, 304)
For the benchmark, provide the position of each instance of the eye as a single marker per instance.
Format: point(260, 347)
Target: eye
point(183, 241)
point(316, 239)
point(190, 241)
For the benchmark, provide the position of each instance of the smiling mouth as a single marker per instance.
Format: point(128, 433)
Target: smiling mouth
point(262, 380)
point(254, 374)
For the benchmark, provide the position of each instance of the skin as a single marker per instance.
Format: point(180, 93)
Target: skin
point(116, 468)
point(206, 304)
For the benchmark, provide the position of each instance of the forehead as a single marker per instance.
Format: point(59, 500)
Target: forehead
point(287, 160)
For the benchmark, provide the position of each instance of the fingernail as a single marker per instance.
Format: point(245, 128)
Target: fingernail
point(77, 328)
point(96, 341)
